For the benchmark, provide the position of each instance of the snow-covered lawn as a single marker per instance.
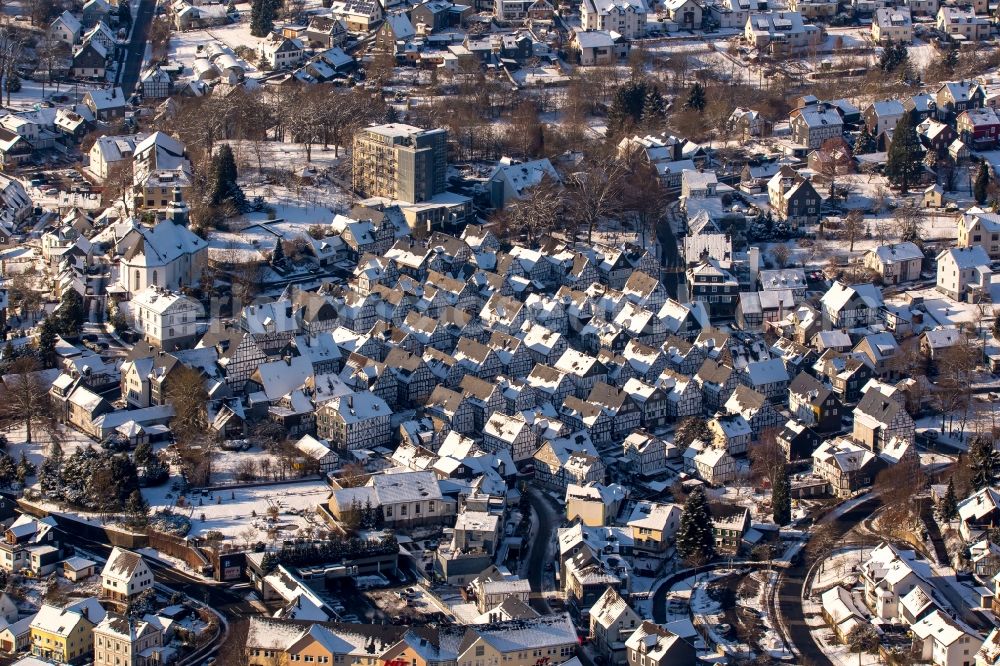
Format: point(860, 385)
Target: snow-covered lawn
point(231, 511)
point(840, 568)
point(942, 310)
point(31, 93)
point(70, 440)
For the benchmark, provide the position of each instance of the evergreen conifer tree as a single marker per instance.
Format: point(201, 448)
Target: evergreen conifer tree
point(982, 183)
point(865, 142)
point(903, 164)
point(948, 508)
point(696, 98)
point(71, 313)
point(654, 109)
point(626, 106)
point(984, 462)
point(47, 341)
point(24, 468)
point(8, 470)
point(50, 474)
point(143, 454)
point(695, 542)
point(781, 498)
point(137, 509)
point(278, 256)
point(261, 17)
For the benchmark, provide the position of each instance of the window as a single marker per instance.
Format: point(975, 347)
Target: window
point(480, 651)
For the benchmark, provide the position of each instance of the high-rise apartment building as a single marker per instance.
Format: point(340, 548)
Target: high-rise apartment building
point(400, 162)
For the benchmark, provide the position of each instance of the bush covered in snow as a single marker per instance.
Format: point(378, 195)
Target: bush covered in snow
point(170, 523)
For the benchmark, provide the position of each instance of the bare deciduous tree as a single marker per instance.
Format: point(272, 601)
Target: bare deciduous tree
point(595, 192)
point(24, 400)
point(535, 213)
point(854, 226)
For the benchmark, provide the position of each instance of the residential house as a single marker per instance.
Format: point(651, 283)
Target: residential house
point(654, 526)
point(730, 523)
point(125, 576)
point(813, 124)
point(612, 621)
point(977, 227)
point(793, 198)
point(851, 306)
point(964, 273)
point(892, 25)
point(106, 105)
point(119, 640)
point(511, 434)
point(63, 635)
point(896, 263)
point(645, 454)
point(846, 466)
point(594, 504)
point(355, 421)
point(814, 404)
point(769, 378)
point(652, 645)
point(979, 513)
point(717, 380)
point(651, 401)
point(167, 320)
point(754, 407)
point(626, 17)
point(281, 52)
point(841, 612)
point(944, 640)
point(711, 283)
point(600, 47)
point(962, 24)
point(731, 432)
point(714, 466)
point(685, 13)
point(978, 128)
point(27, 540)
point(405, 499)
point(882, 116)
point(780, 32)
point(511, 179)
point(66, 28)
point(954, 97)
point(879, 418)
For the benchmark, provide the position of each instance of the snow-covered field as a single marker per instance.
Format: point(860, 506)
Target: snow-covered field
point(70, 440)
point(231, 511)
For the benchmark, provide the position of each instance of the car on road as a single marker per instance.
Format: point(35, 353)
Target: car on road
point(931, 434)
